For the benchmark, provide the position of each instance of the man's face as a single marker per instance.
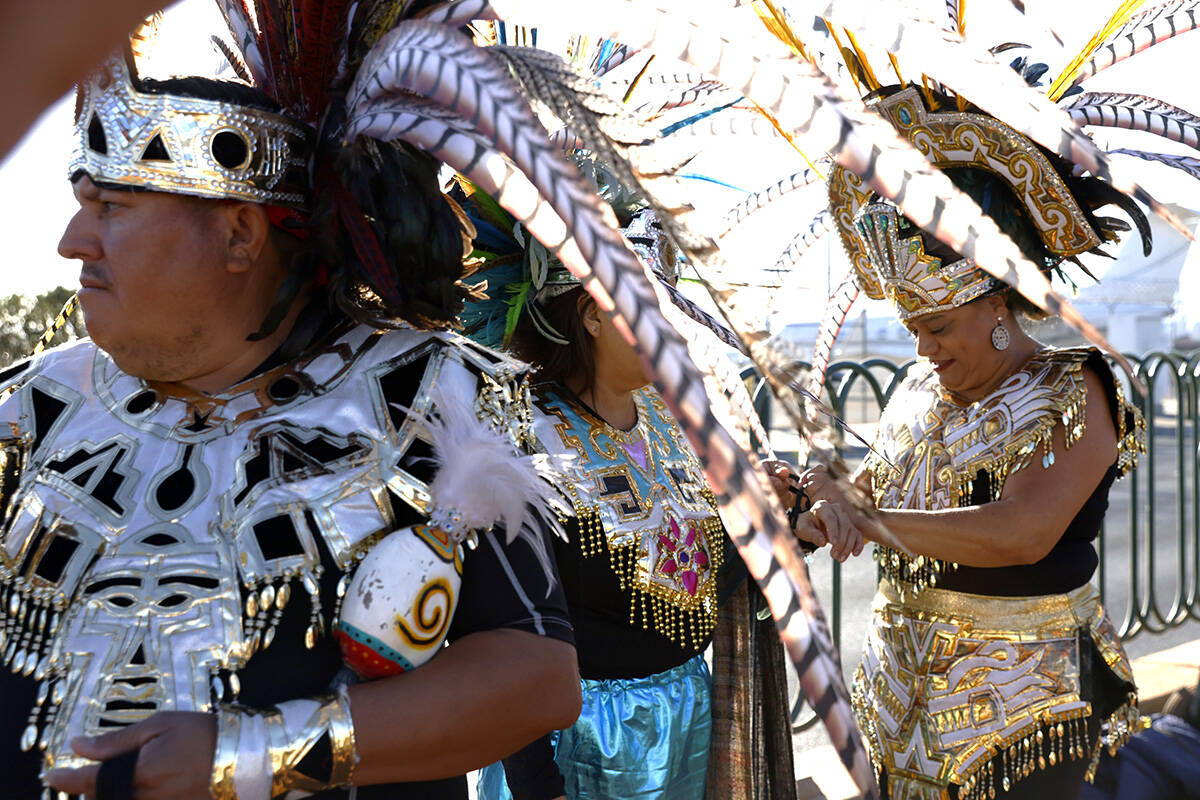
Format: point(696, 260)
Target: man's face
point(154, 285)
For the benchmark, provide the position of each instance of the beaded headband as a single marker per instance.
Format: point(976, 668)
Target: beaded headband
point(186, 145)
point(916, 282)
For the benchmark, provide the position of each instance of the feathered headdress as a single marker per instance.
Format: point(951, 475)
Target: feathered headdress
point(959, 86)
point(519, 274)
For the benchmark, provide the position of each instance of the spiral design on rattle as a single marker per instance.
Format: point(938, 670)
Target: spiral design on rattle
point(431, 615)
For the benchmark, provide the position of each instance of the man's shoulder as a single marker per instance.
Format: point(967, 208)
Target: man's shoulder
point(400, 342)
point(62, 362)
point(409, 362)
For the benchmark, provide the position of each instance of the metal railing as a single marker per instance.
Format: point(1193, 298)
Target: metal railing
point(1151, 536)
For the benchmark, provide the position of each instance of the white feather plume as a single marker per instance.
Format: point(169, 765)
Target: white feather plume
point(485, 481)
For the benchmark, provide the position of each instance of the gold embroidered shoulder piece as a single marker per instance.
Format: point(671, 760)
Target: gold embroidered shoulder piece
point(641, 496)
point(934, 449)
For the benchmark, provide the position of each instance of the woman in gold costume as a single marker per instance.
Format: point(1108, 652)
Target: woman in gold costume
point(991, 669)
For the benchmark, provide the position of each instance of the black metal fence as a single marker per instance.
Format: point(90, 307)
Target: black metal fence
point(1149, 575)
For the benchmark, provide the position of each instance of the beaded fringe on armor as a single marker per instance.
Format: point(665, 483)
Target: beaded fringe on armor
point(908, 574)
point(689, 623)
point(1052, 744)
point(981, 692)
point(932, 451)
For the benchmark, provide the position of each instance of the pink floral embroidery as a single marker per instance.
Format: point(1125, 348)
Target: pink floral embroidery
point(683, 554)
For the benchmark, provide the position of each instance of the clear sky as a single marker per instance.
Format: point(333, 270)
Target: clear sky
point(36, 202)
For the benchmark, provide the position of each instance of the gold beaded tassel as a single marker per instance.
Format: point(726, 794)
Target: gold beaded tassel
point(1050, 745)
point(256, 617)
point(30, 736)
point(1073, 417)
point(316, 620)
point(911, 575)
point(1121, 725)
point(592, 540)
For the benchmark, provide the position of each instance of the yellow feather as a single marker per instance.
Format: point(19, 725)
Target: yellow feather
point(868, 73)
point(776, 23)
point(1067, 76)
point(59, 321)
point(896, 68)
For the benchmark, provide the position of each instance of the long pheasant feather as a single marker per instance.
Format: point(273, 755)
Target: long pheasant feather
point(1143, 30)
point(1135, 112)
point(765, 197)
point(837, 308)
point(818, 226)
point(1187, 164)
point(977, 74)
point(432, 61)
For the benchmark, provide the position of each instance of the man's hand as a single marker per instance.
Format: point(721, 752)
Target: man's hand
point(174, 762)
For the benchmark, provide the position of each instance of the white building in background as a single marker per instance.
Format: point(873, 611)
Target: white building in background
point(1143, 303)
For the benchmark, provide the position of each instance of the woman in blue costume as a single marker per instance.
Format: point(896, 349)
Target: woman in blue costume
point(647, 564)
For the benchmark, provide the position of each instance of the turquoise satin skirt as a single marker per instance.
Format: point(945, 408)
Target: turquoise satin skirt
point(636, 739)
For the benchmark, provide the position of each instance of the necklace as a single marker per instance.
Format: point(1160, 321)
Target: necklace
point(598, 416)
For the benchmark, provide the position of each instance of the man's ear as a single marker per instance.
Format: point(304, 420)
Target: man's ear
point(248, 231)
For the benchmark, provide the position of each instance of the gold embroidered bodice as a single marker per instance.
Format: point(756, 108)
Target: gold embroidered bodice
point(641, 496)
point(931, 449)
point(971, 690)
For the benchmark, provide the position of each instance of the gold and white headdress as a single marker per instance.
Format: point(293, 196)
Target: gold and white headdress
point(131, 138)
point(888, 255)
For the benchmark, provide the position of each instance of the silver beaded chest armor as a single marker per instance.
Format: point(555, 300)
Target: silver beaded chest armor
point(153, 539)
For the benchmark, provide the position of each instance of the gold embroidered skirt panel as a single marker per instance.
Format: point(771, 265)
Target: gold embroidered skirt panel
point(980, 691)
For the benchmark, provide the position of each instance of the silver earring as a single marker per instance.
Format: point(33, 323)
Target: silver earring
point(1000, 337)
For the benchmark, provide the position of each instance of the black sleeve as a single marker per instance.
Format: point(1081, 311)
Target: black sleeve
point(18, 769)
point(505, 586)
point(532, 773)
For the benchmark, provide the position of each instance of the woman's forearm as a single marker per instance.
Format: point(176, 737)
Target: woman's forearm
point(998, 534)
point(483, 697)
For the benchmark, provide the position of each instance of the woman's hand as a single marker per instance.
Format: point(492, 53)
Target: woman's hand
point(783, 481)
point(820, 485)
point(828, 523)
point(829, 519)
point(174, 759)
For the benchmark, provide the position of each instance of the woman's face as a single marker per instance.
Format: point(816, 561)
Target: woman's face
point(959, 343)
point(616, 362)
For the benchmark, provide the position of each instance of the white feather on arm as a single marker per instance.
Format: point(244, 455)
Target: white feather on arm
point(483, 480)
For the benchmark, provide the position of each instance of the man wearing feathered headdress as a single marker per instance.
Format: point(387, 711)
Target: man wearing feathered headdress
point(239, 523)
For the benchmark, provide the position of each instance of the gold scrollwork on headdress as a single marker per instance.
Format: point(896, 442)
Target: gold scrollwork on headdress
point(956, 139)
